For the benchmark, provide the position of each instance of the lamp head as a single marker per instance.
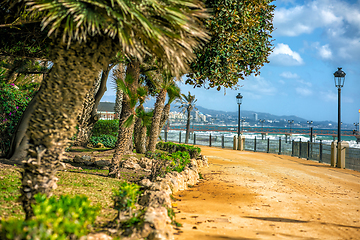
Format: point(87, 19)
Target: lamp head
point(339, 78)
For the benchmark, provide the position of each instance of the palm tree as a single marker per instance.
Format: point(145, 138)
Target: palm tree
point(166, 84)
point(173, 94)
point(85, 35)
point(120, 74)
point(143, 121)
point(187, 105)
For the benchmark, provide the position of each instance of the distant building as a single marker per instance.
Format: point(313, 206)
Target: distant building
point(106, 110)
point(255, 116)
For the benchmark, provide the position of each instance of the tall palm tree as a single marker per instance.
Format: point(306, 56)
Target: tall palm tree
point(143, 121)
point(85, 35)
point(166, 84)
point(120, 74)
point(173, 94)
point(187, 105)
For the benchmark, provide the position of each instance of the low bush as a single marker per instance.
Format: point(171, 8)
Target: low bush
point(107, 140)
point(170, 147)
point(106, 127)
point(63, 218)
point(165, 163)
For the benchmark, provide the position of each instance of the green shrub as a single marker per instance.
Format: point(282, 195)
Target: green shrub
point(107, 140)
point(106, 127)
point(165, 163)
point(13, 104)
point(126, 196)
point(63, 218)
point(170, 147)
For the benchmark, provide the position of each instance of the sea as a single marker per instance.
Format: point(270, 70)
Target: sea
point(325, 139)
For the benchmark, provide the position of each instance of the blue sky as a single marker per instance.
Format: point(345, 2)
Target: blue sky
point(311, 40)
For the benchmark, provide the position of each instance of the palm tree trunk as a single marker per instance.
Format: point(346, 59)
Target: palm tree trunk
point(57, 106)
point(120, 74)
point(89, 115)
point(164, 116)
point(154, 130)
point(125, 133)
point(187, 127)
point(140, 134)
point(86, 120)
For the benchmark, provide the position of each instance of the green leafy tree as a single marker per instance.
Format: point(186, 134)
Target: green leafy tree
point(187, 104)
point(240, 43)
point(82, 37)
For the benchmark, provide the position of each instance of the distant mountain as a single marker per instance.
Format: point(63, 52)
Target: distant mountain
point(251, 115)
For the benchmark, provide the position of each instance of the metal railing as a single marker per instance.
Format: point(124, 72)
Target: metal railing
point(308, 150)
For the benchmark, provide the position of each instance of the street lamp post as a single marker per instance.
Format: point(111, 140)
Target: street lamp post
point(290, 122)
point(239, 101)
point(242, 123)
point(262, 124)
point(311, 133)
point(357, 130)
point(339, 78)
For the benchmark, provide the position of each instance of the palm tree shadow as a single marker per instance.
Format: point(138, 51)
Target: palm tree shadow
point(289, 220)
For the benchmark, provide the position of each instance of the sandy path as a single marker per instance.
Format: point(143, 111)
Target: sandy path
point(246, 195)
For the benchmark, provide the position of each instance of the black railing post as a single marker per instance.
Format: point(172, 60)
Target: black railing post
point(308, 150)
point(292, 148)
point(194, 138)
point(166, 136)
point(268, 145)
point(279, 146)
point(210, 140)
point(300, 148)
point(255, 144)
point(222, 141)
point(320, 151)
point(179, 137)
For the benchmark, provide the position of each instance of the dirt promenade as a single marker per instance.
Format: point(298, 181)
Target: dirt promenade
point(246, 195)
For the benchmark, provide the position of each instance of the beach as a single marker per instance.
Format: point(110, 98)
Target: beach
point(248, 195)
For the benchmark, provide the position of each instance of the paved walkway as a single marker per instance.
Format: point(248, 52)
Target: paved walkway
point(247, 195)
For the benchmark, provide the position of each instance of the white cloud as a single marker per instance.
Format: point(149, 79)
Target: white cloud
point(303, 91)
point(284, 56)
point(338, 23)
point(258, 86)
point(289, 75)
point(325, 52)
point(328, 96)
point(302, 82)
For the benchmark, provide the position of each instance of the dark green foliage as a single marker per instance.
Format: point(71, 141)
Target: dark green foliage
point(63, 218)
point(105, 132)
point(240, 42)
point(106, 127)
point(165, 163)
point(170, 147)
point(107, 140)
point(13, 104)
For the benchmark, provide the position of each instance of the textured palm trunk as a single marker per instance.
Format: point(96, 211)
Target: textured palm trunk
point(89, 116)
point(55, 116)
point(120, 74)
point(154, 130)
point(125, 133)
point(86, 120)
point(164, 116)
point(140, 134)
point(187, 127)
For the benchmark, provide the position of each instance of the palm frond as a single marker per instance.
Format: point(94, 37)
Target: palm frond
point(167, 30)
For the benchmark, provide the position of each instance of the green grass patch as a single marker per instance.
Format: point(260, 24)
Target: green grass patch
point(9, 193)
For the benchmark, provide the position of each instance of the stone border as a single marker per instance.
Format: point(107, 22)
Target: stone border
point(156, 198)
